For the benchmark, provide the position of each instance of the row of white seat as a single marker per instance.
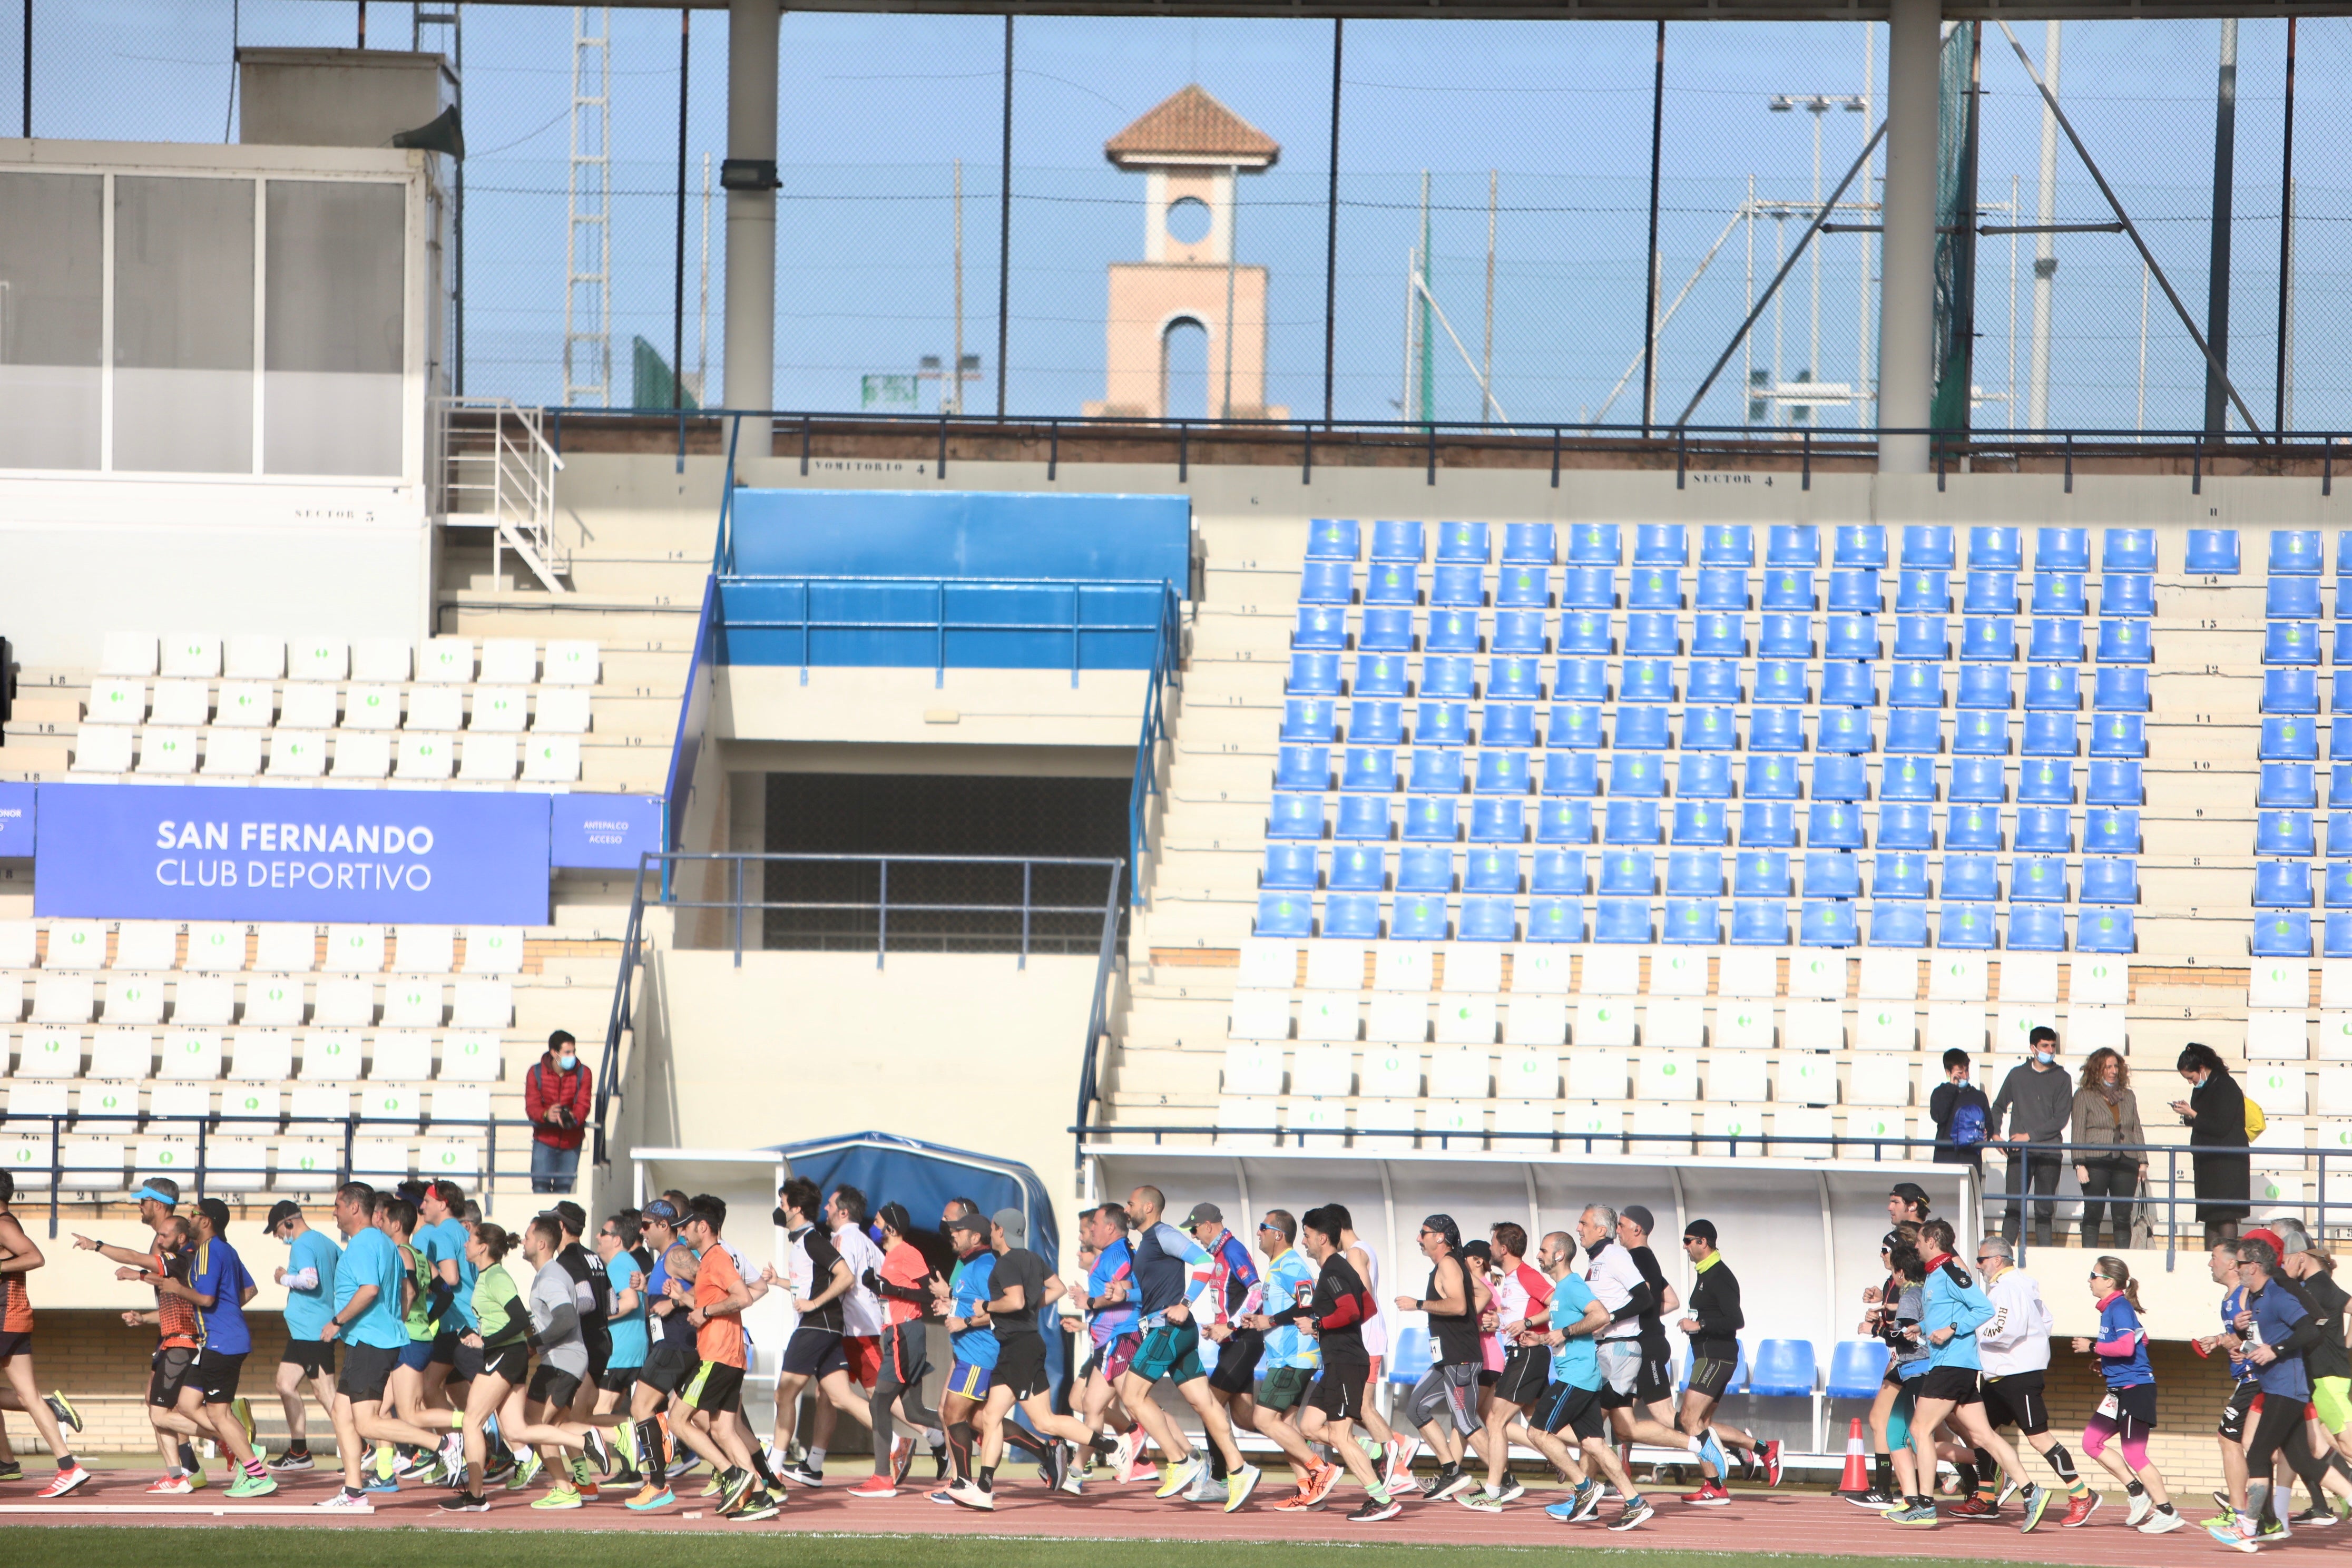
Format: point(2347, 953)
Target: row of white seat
point(209, 1001)
point(398, 1104)
point(239, 1164)
point(218, 947)
point(256, 1056)
point(197, 656)
point(358, 754)
point(258, 705)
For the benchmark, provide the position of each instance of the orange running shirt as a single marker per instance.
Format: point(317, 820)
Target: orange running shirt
point(15, 1305)
point(719, 1339)
point(176, 1316)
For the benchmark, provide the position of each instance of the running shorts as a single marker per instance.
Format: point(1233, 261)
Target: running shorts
point(13, 1345)
point(217, 1375)
point(1446, 1391)
point(814, 1353)
point(313, 1356)
point(417, 1355)
point(864, 1356)
point(510, 1364)
point(618, 1379)
point(1957, 1383)
point(667, 1365)
point(2245, 1400)
point(444, 1348)
point(366, 1369)
point(554, 1385)
point(465, 1361)
point(2017, 1399)
point(1285, 1386)
point(1620, 1372)
point(1171, 1350)
point(1525, 1376)
point(2330, 1397)
point(172, 1367)
point(1712, 1377)
point(599, 1341)
point(2134, 1414)
point(1021, 1365)
point(1237, 1361)
point(1566, 1407)
point(1340, 1392)
point(1120, 1355)
point(1898, 1416)
point(966, 1380)
point(1656, 1380)
point(717, 1387)
point(902, 1348)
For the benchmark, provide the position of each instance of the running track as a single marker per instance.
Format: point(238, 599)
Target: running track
point(1755, 1520)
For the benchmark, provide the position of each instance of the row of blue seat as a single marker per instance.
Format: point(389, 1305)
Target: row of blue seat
point(1642, 775)
point(2288, 885)
point(1779, 681)
point(1703, 824)
point(2293, 832)
point(1333, 584)
point(1701, 874)
point(2287, 933)
point(1859, 545)
point(1908, 731)
point(1826, 923)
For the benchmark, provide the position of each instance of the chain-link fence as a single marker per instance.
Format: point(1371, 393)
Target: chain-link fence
point(1491, 216)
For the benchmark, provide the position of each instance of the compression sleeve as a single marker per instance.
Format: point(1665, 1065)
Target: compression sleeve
point(2120, 1345)
point(302, 1280)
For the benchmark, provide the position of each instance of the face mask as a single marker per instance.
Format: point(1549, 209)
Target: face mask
point(2044, 1058)
point(777, 1213)
point(567, 1062)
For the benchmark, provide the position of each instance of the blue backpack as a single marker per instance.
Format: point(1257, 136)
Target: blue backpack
point(1967, 1125)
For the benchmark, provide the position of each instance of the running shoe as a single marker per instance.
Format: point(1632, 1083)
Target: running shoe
point(1239, 1485)
point(653, 1496)
point(715, 1485)
point(559, 1496)
point(1177, 1475)
point(63, 1409)
point(377, 1483)
point(902, 1459)
point(760, 1505)
point(1974, 1507)
point(527, 1464)
point(733, 1487)
point(170, 1486)
point(1636, 1511)
point(800, 1473)
point(293, 1464)
point(66, 1479)
point(2274, 1530)
point(1710, 1449)
point(1914, 1516)
point(10, 1470)
point(941, 1497)
point(1710, 1494)
point(1301, 1502)
point(1769, 1456)
point(1449, 1481)
point(1401, 1453)
point(2140, 1507)
point(2163, 1523)
point(1590, 1496)
point(2008, 1488)
point(1481, 1501)
point(1405, 1485)
point(1320, 1485)
point(1204, 1485)
point(1563, 1511)
point(2231, 1533)
point(2221, 1500)
point(1125, 1449)
point(969, 1494)
point(250, 1484)
point(1072, 1477)
point(1512, 1490)
point(196, 1477)
point(464, 1503)
point(600, 1450)
point(2317, 1515)
point(1375, 1510)
point(340, 1501)
point(874, 1487)
point(498, 1472)
point(1876, 1500)
point(2079, 1511)
point(2037, 1503)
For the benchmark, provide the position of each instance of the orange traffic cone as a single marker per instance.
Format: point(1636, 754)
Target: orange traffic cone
point(1856, 1479)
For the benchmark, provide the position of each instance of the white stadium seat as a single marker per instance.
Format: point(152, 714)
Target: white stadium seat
point(168, 754)
point(1253, 1069)
point(422, 950)
point(296, 755)
point(1335, 966)
point(1256, 1015)
point(1320, 1071)
point(439, 709)
point(401, 1056)
point(215, 947)
point(500, 710)
point(1391, 1075)
point(1327, 1016)
point(113, 702)
point(318, 658)
point(179, 1099)
point(123, 1053)
point(102, 749)
point(570, 663)
point(261, 1055)
point(509, 661)
point(471, 1058)
point(488, 758)
point(1461, 1074)
point(193, 1055)
point(204, 1002)
point(273, 1001)
point(285, 949)
point(12, 999)
point(19, 940)
point(343, 1003)
point(1465, 1020)
point(330, 1056)
point(76, 944)
point(362, 756)
point(133, 999)
point(482, 1004)
point(251, 656)
point(64, 999)
point(1535, 1020)
point(1268, 963)
point(1394, 1019)
point(415, 1004)
point(381, 660)
point(146, 945)
point(1401, 966)
point(447, 661)
point(191, 656)
point(49, 1053)
point(232, 754)
point(372, 707)
point(307, 1165)
point(181, 704)
point(308, 708)
point(354, 949)
point(127, 653)
point(561, 711)
point(553, 759)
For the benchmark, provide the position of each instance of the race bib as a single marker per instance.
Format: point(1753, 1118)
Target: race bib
point(2111, 1406)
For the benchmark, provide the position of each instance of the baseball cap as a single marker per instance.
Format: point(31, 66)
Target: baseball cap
point(970, 1222)
point(1641, 1216)
point(1702, 1229)
point(280, 1212)
point(1203, 1214)
point(1015, 1226)
point(1911, 1192)
point(573, 1216)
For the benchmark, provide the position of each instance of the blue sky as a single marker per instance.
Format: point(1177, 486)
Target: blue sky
point(876, 109)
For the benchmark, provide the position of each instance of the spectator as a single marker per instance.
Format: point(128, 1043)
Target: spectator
point(1962, 1115)
point(555, 1097)
point(2037, 1102)
point(2215, 1114)
point(2106, 1112)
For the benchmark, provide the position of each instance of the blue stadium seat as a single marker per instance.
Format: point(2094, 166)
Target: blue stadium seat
point(1661, 544)
point(1488, 920)
point(1637, 776)
point(1776, 729)
point(1641, 728)
point(1515, 679)
point(2129, 550)
point(2110, 881)
point(1984, 686)
point(1907, 779)
point(1373, 769)
point(1991, 594)
point(1757, 923)
point(1296, 817)
point(1988, 640)
point(2111, 832)
point(1501, 773)
point(1387, 628)
point(1491, 871)
point(2338, 938)
point(1360, 870)
point(1721, 588)
point(1692, 921)
point(1589, 588)
point(1456, 585)
point(1898, 876)
point(1773, 777)
point(2120, 691)
point(2062, 550)
point(1654, 588)
point(1564, 822)
point(1436, 770)
point(1313, 674)
point(1462, 542)
point(1509, 724)
point(1850, 636)
point(1923, 593)
point(1630, 821)
point(1449, 675)
point(1703, 777)
point(1709, 729)
point(1308, 722)
point(2290, 738)
point(1555, 919)
point(1629, 872)
point(1701, 822)
point(1283, 914)
point(1760, 874)
point(1623, 921)
point(1930, 545)
point(1793, 545)
point(1914, 732)
point(2059, 594)
point(1785, 637)
point(1527, 544)
point(1450, 631)
point(1965, 926)
point(2053, 688)
point(1580, 680)
point(1923, 637)
point(1717, 635)
point(1917, 686)
point(1694, 874)
point(1972, 878)
point(1907, 826)
point(2051, 735)
point(1646, 681)
point(2037, 879)
point(1351, 915)
point(1436, 723)
point(1418, 920)
point(1362, 818)
point(1578, 776)
point(1833, 824)
point(2292, 691)
point(1832, 874)
point(1518, 631)
point(1377, 674)
point(1841, 777)
point(2044, 829)
point(1971, 827)
point(2109, 931)
point(1558, 871)
point(2297, 552)
point(2344, 641)
point(1783, 1368)
point(1767, 825)
point(1898, 925)
point(2118, 783)
point(1585, 632)
point(2127, 596)
point(2292, 598)
point(1327, 583)
point(1592, 544)
point(2292, 642)
point(1497, 821)
point(1860, 544)
point(1845, 729)
point(1978, 733)
point(1828, 922)
point(1848, 684)
point(2339, 835)
point(1424, 870)
point(1854, 592)
point(1431, 819)
point(1332, 539)
point(1380, 723)
point(1397, 540)
point(1392, 583)
point(1652, 632)
point(1523, 587)
point(1320, 626)
point(2057, 639)
point(1778, 683)
point(2336, 890)
point(2045, 781)
point(1712, 681)
point(2290, 833)
point(2037, 928)
point(1996, 549)
point(1726, 544)
point(2281, 884)
point(2212, 552)
point(2283, 934)
point(1303, 768)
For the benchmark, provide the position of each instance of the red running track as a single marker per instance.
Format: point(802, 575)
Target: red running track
point(1755, 1520)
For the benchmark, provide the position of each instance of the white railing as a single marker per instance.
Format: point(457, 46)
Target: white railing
point(498, 472)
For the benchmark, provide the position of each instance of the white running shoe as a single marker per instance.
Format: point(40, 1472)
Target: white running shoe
point(2141, 1507)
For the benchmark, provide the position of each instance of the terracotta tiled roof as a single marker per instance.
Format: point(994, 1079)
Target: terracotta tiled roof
point(1192, 125)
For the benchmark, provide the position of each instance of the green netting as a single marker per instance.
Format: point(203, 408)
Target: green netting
point(1955, 216)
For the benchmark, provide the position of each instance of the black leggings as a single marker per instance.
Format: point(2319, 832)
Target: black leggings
point(901, 1382)
point(2280, 1431)
point(2107, 1186)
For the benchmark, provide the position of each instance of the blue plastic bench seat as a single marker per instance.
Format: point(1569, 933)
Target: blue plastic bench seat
point(1726, 544)
point(1997, 549)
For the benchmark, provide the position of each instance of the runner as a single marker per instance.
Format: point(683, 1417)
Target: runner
point(1615, 1277)
point(1170, 1276)
point(397, 1217)
point(308, 1278)
point(1714, 1324)
point(1230, 1353)
point(716, 1389)
point(1397, 1448)
point(2232, 1432)
point(1334, 1318)
point(442, 1237)
point(178, 1331)
point(819, 1278)
point(218, 1287)
point(19, 1256)
point(964, 1406)
point(902, 1285)
point(1021, 1285)
point(1444, 1405)
point(1654, 1393)
point(368, 1318)
point(1289, 1360)
point(1571, 1403)
point(1906, 1201)
point(618, 1240)
point(1893, 1316)
point(1522, 1309)
point(2014, 1346)
point(2327, 1362)
point(1110, 1323)
point(505, 1322)
point(2128, 1412)
point(2274, 1329)
point(670, 1358)
point(862, 1319)
point(592, 1295)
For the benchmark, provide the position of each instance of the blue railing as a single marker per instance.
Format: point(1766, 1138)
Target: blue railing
point(1167, 671)
point(911, 622)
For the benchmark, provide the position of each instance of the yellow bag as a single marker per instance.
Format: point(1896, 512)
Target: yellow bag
point(2255, 1120)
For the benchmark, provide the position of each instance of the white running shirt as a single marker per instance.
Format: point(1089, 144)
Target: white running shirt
point(861, 1309)
point(2017, 1337)
point(1376, 1327)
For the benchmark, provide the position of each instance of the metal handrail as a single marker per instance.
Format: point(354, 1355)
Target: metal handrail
point(1167, 670)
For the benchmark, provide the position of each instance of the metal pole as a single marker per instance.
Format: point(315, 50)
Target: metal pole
point(1906, 298)
point(1331, 226)
point(2286, 232)
point(1487, 372)
point(457, 218)
point(2217, 276)
point(677, 259)
point(2045, 246)
point(28, 106)
point(1650, 255)
point(1233, 216)
point(752, 37)
point(1003, 224)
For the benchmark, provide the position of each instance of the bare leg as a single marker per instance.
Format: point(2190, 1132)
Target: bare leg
point(290, 1400)
point(27, 1398)
point(1203, 1400)
point(1156, 1421)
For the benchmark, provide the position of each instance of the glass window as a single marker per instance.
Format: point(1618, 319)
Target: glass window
point(331, 349)
point(183, 324)
point(50, 234)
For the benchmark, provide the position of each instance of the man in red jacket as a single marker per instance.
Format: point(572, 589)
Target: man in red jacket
point(555, 1095)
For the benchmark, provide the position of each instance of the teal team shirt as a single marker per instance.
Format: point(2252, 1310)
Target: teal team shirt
point(370, 1259)
point(307, 1312)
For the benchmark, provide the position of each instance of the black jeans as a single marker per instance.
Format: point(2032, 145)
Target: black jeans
point(2114, 1182)
point(2041, 1166)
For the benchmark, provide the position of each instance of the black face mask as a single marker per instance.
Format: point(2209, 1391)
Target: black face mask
point(778, 1216)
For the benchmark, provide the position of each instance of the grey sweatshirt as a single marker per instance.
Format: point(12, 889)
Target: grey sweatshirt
point(2038, 1104)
